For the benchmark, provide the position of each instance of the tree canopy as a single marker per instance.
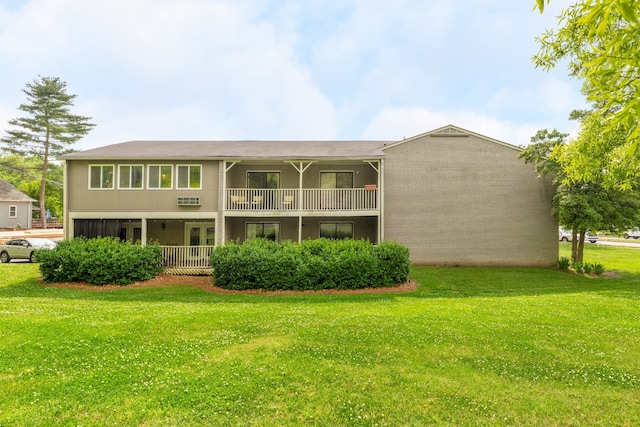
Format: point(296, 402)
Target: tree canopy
point(601, 41)
point(580, 205)
point(24, 174)
point(47, 129)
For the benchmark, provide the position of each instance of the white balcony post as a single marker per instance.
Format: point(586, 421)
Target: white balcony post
point(143, 232)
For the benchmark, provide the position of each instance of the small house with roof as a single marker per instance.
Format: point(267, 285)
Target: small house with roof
point(452, 196)
point(15, 207)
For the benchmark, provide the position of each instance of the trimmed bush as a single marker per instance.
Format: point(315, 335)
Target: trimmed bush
point(312, 264)
point(100, 261)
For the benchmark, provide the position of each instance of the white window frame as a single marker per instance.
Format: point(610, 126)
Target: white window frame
point(130, 166)
point(102, 180)
point(160, 183)
point(188, 187)
point(336, 223)
point(14, 209)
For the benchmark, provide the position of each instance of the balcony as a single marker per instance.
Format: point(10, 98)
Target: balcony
point(312, 200)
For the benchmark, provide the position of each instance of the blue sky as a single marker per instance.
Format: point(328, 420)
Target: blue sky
point(288, 69)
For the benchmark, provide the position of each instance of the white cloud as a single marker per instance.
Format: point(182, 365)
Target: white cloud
point(196, 68)
point(396, 124)
point(267, 69)
point(551, 96)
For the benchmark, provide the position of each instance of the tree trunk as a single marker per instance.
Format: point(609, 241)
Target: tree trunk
point(574, 245)
point(43, 181)
point(580, 253)
point(43, 218)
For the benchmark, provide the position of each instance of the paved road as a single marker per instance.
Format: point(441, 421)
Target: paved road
point(626, 243)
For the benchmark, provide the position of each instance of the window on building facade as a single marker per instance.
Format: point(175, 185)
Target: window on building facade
point(266, 230)
point(13, 211)
point(263, 179)
point(336, 179)
point(336, 230)
point(130, 176)
point(189, 176)
point(101, 176)
point(160, 176)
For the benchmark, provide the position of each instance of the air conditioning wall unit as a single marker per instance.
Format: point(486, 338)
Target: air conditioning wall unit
point(188, 201)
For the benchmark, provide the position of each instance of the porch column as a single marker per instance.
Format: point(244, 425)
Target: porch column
point(300, 203)
point(381, 201)
point(143, 232)
point(301, 167)
point(222, 199)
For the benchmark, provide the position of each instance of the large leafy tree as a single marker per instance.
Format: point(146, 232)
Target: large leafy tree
point(600, 39)
point(48, 129)
point(580, 205)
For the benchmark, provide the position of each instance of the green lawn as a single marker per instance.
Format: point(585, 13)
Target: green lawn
point(472, 346)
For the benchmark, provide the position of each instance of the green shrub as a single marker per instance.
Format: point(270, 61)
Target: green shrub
point(394, 262)
point(100, 261)
point(312, 264)
point(564, 263)
point(598, 269)
point(587, 268)
point(578, 267)
point(593, 268)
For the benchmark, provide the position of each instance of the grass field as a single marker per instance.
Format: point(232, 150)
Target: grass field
point(472, 346)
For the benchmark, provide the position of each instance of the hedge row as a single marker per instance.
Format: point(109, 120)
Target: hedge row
point(312, 264)
point(100, 261)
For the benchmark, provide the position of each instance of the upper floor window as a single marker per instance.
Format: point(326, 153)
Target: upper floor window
point(101, 176)
point(263, 179)
point(160, 176)
point(130, 176)
point(13, 211)
point(336, 179)
point(189, 176)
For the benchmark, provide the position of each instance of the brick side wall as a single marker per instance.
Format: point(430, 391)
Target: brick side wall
point(467, 201)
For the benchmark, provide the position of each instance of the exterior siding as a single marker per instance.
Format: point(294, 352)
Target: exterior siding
point(466, 200)
point(81, 198)
point(23, 214)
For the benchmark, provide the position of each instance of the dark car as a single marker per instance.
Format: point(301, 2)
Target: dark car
point(23, 248)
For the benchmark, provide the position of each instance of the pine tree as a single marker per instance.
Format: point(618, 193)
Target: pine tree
point(48, 129)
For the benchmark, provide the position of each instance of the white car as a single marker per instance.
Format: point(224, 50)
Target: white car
point(23, 248)
point(635, 234)
point(565, 236)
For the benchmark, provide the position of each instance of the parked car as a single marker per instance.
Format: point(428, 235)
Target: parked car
point(635, 234)
point(565, 236)
point(23, 248)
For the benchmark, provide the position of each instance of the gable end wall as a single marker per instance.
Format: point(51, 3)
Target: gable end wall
point(468, 201)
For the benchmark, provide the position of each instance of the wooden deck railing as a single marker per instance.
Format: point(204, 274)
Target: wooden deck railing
point(51, 223)
point(186, 256)
point(313, 199)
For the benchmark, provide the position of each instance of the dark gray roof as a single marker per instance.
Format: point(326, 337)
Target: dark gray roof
point(9, 193)
point(235, 150)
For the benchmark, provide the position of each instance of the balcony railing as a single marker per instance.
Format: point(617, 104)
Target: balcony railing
point(313, 199)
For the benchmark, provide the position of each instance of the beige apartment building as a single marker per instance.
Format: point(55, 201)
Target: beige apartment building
point(452, 196)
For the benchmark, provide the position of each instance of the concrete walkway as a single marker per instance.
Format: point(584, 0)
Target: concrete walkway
point(50, 233)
